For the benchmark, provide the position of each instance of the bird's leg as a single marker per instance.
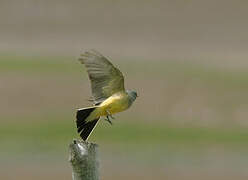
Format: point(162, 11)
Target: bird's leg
point(109, 115)
point(108, 120)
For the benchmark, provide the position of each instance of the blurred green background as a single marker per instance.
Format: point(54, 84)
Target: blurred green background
point(186, 59)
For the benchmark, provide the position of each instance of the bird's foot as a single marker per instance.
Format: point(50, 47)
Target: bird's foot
point(108, 120)
point(109, 114)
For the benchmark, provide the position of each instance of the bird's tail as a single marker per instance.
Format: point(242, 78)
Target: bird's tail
point(86, 121)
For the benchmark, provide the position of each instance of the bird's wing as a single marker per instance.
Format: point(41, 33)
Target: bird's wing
point(105, 78)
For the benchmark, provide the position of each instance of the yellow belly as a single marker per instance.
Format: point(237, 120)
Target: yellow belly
point(114, 104)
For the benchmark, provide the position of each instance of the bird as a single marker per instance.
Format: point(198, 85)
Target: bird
point(108, 93)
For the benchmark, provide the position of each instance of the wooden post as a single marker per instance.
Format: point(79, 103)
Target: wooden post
point(84, 160)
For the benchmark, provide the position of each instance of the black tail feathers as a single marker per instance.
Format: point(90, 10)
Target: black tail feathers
point(85, 127)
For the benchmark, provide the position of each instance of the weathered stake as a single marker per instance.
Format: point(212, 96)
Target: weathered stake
point(84, 160)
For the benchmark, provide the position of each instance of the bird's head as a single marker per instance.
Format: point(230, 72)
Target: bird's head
point(132, 94)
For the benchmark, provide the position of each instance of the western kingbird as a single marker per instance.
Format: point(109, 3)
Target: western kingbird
point(109, 94)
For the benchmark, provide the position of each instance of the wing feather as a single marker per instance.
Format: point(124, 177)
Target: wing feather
point(105, 78)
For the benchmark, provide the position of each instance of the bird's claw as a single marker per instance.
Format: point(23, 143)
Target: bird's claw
point(109, 115)
point(108, 120)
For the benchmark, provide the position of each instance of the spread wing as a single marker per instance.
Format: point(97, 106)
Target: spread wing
point(105, 78)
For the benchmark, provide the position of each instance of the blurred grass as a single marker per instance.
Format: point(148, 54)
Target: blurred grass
point(38, 64)
point(53, 133)
point(180, 71)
